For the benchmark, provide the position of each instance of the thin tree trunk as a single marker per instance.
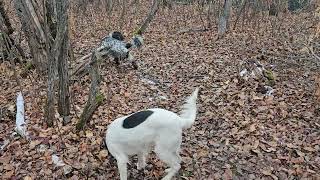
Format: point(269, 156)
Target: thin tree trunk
point(52, 66)
point(209, 14)
point(61, 54)
point(109, 6)
point(95, 97)
point(239, 14)
point(51, 16)
point(8, 29)
point(152, 13)
point(34, 33)
point(224, 18)
point(5, 18)
point(123, 12)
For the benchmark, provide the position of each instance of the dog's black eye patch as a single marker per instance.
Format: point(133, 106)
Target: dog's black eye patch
point(136, 119)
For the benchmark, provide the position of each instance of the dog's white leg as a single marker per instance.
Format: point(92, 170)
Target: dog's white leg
point(122, 167)
point(179, 158)
point(174, 163)
point(171, 159)
point(168, 151)
point(141, 160)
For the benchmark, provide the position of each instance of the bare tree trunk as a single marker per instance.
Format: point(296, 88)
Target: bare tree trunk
point(5, 19)
point(61, 48)
point(167, 3)
point(51, 17)
point(123, 12)
point(52, 66)
point(49, 108)
point(109, 6)
point(33, 29)
point(152, 13)
point(224, 18)
point(6, 30)
point(95, 97)
point(244, 4)
point(209, 14)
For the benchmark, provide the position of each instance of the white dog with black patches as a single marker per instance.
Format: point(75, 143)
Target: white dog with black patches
point(137, 133)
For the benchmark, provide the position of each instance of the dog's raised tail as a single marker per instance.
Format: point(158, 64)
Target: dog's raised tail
point(189, 110)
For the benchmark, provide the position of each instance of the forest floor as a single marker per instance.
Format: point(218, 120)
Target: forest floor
point(240, 132)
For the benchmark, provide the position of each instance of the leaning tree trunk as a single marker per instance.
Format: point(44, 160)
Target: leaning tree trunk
point(152, 13)
point(224, 18)
point(95, 97)
point(61, 48)
point(34, 31)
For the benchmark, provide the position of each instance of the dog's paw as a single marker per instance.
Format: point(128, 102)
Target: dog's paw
point(166, 178)
point(141, 166)
point(167, 170)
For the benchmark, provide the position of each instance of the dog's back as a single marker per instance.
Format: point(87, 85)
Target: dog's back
point(160, 122)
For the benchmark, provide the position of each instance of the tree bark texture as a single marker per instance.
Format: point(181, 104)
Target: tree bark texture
point(224, 18)
point(4, 20)
point(49, 109)
point(34, 32)
point(243, 6)
point(6, 28)
point(95, 97)
point(61, 47)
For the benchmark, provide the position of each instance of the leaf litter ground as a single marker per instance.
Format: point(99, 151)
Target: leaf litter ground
point(239, 132)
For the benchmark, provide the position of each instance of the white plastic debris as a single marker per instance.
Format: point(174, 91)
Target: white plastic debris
point(21, 127)
point(57, 161)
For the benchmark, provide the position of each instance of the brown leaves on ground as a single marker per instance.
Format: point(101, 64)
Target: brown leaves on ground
point(239, 131)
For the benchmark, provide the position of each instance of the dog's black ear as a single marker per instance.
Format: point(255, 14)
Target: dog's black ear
point(128, 45)
point(117, 35)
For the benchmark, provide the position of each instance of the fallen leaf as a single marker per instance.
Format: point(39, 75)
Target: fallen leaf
point(103, 154)
point(27, 178)
point(227, 175)
point(252, 127)
point(8, 167)
point(310, 149)
point(89, 134)
point(33, 144)
point(8, 174)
